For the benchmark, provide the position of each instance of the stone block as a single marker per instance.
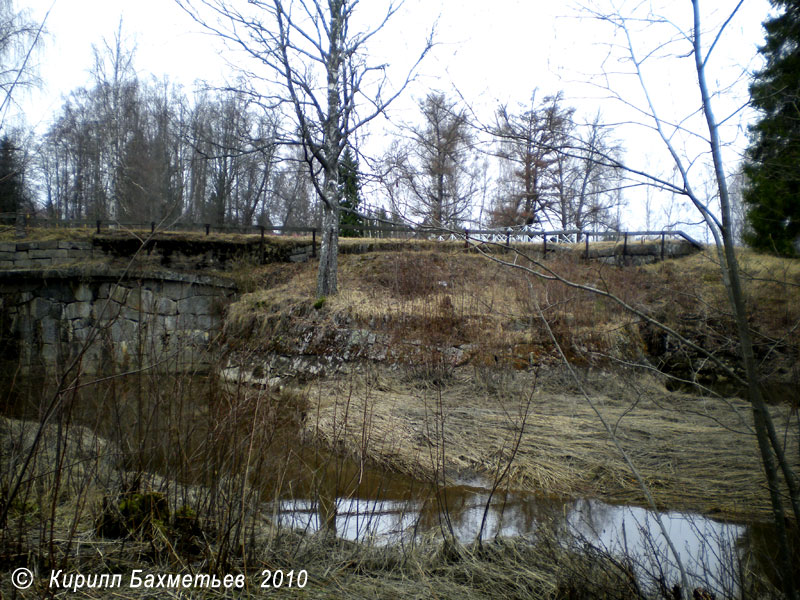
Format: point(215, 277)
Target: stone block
point(82, 323)
point(140, 299)
point(195, 305)
point(166, 306)
point(48, 245)
point(24, 263)
point(104, 312)
point(8, 247)
point(124, 331)
point(132, 314)
point(120, 294)
point(40, 263)
point(78, 310)
point(169, 324)
point(39, 254)
point(50, 330)
point(41, 308)
point(50, 354)
point(83, 293)
point(205, 322)
point(25, 246)
point(175, 291)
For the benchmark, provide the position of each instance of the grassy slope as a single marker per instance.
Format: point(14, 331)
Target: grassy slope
point(691, 448)
point(696, 450)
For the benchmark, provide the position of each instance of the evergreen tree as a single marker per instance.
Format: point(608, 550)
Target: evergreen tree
point(12, 194)
point(773, 158)
point(349, 196)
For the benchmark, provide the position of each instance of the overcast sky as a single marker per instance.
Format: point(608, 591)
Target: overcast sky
point(492, 52)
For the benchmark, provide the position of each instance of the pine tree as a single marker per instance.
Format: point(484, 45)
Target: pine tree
point(773, 158)
point(349, 196)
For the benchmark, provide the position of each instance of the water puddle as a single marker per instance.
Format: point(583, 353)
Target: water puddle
point(310, 489)
point(707, 548)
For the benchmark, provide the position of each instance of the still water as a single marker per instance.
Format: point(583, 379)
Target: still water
point(310, 489)
point(708, 549)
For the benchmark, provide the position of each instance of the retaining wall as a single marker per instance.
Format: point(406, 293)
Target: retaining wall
point(113, 321)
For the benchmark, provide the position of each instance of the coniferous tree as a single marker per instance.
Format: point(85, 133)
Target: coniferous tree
point(350, 195)
point(772, 168)
point(12, 189)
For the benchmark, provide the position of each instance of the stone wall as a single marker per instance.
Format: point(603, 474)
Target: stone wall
point(198, 254)
point(40, 255)
point(112, 321)
point(642, 252)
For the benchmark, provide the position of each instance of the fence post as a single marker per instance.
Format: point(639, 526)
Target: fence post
point(208, 228)
point(261, 246)
point(662, 246)
point(466, 238)
point(544, 247)
point(98, 225)
point(313, 243)
point(586, 238)
point(508, 237)
point(152, 226)
point(625, 245)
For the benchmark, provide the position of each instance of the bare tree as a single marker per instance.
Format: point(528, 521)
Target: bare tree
point(316, 64)
point(19, 38)
point(555, 170)
point(530, 142)
point(596, 180)
point(688, 43)
point(435, 170)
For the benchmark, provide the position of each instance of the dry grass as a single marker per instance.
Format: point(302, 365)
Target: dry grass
point(696, 454)
point(460, 298)
point(58, 529)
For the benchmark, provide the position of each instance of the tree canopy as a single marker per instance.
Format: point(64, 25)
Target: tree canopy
point(773, 194)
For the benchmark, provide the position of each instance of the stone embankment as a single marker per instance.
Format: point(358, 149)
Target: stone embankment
point(60, 299)
point(58, 303)
point(111, 320)
point(172, 252)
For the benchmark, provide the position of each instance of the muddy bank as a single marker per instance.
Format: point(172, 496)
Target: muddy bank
point(696, 454)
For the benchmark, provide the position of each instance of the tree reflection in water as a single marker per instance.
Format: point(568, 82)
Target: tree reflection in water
point(709, 549)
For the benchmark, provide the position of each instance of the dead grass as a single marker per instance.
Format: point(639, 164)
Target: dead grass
point(696, 454)
point(432, 304)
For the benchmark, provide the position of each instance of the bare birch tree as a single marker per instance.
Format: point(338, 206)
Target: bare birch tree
point(315, 64)
point(19, 39)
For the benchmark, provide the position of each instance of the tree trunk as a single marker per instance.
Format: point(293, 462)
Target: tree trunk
point(772, 456)
point(329, 243)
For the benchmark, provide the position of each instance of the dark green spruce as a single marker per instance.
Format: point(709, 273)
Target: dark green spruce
point(772, 166)
point(12, 188)
point(350, 223)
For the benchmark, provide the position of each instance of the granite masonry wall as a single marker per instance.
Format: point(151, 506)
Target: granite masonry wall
point(111, 321)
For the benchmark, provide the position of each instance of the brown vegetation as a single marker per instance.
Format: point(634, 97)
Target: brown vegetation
point(469, 343)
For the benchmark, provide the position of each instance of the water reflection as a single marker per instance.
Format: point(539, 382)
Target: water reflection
point(707, 548)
